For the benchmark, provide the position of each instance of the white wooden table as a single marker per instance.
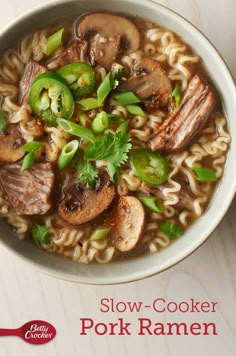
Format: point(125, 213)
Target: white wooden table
point(208, 275)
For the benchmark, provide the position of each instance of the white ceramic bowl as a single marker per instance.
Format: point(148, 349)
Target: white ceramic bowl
point(130, 270)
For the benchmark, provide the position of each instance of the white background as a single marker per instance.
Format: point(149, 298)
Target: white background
point(208, 275)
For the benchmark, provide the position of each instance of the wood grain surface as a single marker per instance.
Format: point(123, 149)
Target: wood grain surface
point(207, 275)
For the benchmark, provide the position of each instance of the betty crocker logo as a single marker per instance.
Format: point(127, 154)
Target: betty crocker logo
point(35, 332)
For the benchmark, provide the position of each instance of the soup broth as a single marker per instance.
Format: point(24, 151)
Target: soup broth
point(113, 138)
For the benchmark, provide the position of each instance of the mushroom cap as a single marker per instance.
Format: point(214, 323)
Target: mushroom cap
point(149, 79)
point(110, 35)
point(82, 204)
point(10, 145)
point(128, 218)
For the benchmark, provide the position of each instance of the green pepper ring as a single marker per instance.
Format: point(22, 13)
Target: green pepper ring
point(154, 174)
point(44, 82)
point(79, 70)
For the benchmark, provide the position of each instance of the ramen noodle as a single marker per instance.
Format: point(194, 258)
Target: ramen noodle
point(113, 139)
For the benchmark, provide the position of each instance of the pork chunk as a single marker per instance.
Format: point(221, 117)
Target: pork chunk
point(185, 195)
point(29, 192)
point(76, 52)
point(32, 70)
point(183, 125)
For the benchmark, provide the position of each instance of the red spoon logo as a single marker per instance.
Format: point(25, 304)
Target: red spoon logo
point(35, 332)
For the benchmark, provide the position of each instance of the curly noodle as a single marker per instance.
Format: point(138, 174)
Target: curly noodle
point(74, 242)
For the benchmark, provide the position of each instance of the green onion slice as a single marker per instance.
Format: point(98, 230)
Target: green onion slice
point(176, 95)
point(116, 119)
point(67, 154)
point(89, 103)
point(100, 233)
point(3, 122)
point(28, 161)
point(54, 41)
point(104, 89)
point(100, 123)
point(204, 174)
point(123, 127)
point(152, 203)
point(127, 98)
point(32, 146)
point(75, 129)
point(171, 230)
point(135, 110)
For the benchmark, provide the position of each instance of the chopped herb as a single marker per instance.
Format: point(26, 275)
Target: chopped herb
point(28, 161)
point(116, 119)
point(41, 234)
point(113, 173)
point(127, 98)
point(100, 234)
point(3, 122)
point(152, 203)
point(123, 127)
point(67, 154)
point(104, 89)
point(110, 147)
point(171, 230)
point(31, 148)
point(176, 96)
point(89, 103)
point(135, 110)
point(87, 173)
point(204, 174)
point(54, 41)
point(75, 129)
point(117, 73)
point(113, 148)
point(110, 82)
point(100, 123)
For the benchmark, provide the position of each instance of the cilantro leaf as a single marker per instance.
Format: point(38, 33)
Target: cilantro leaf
point(171, 230)
point(121, 147)
point(110, 147)
point(113, 173)
point(113, 148)
point(41, 234)
point(87, 173)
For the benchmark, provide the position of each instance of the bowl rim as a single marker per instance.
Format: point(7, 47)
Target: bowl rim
point(148, 272)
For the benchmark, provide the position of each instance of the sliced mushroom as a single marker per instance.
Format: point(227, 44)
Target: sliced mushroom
point(82, 204)
point(127, 219)
point(149, 79)
point(108, 34)
point(10, 145)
